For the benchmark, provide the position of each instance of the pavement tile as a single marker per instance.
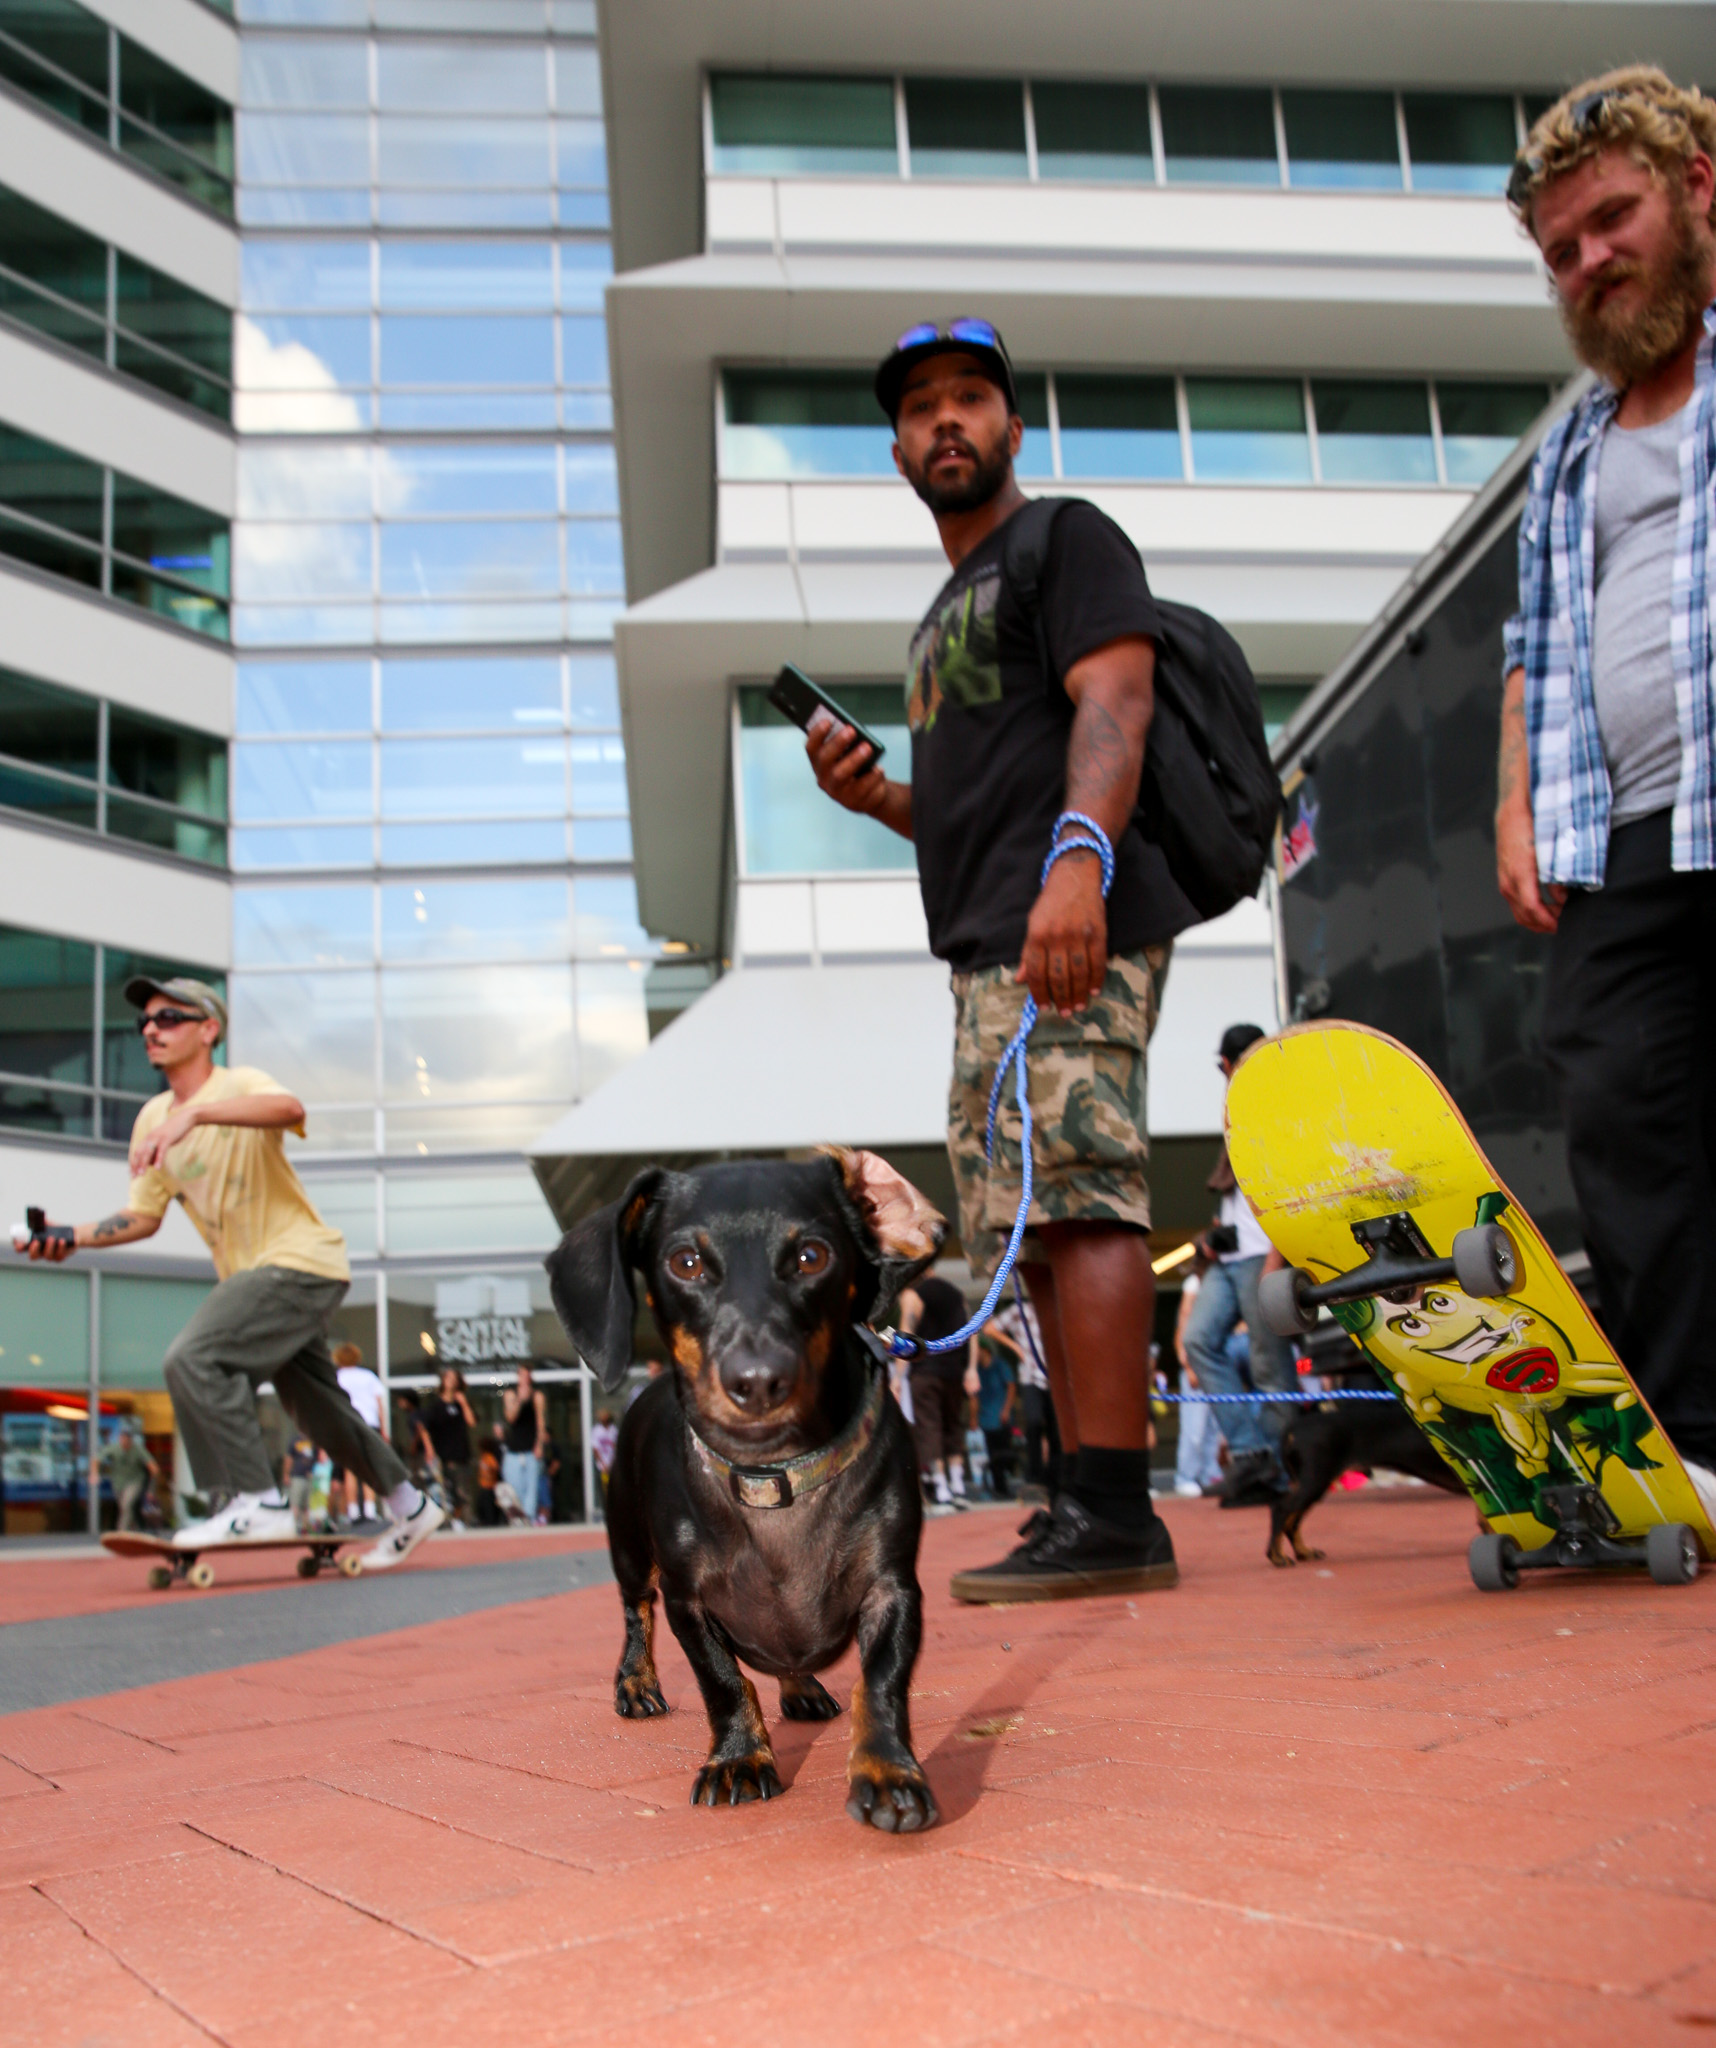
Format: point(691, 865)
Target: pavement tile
point(55, 1741)
point(55, 1852)
point(1301, 1984)
point(1671, 1856)
point(62, 1988)
point(18, 1783)
point(248, 1953)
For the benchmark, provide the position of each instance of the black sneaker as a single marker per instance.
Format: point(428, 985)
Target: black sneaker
point(1070, 1554)
point(1253, 1481)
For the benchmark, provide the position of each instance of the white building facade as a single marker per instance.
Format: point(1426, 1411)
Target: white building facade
point(1271, 314)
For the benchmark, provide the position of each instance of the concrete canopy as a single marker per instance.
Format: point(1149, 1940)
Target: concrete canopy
point(772, 1061)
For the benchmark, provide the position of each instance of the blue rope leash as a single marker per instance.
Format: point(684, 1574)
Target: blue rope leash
point(1089, 838)
point(1295, 1400)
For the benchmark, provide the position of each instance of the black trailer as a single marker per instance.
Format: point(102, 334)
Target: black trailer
point(1388, 910)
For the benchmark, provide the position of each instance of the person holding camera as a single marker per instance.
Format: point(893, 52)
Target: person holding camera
point(1239, 1256)
point(214, 1141)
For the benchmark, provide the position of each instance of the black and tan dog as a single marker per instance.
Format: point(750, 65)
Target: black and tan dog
point(767, 1487)
point(1319, 1444)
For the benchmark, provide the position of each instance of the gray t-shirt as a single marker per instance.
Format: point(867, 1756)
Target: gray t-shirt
point(1632, 663)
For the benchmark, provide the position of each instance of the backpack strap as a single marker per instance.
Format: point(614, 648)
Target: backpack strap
point(1023, 556)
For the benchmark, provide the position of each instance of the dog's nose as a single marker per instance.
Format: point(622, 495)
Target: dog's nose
point(757, 1384)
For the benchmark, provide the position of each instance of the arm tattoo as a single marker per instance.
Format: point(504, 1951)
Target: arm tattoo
point(117, 1225)
point(1102, 760)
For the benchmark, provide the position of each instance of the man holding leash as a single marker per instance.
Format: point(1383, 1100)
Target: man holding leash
point(214, 1140)
point(1606, 820)
point(1001, 751)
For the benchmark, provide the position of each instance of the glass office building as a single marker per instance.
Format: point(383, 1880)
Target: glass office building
point(435, 933)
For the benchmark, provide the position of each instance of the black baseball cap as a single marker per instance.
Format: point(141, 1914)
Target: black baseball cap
point(979, 338)
point(1238, 1039)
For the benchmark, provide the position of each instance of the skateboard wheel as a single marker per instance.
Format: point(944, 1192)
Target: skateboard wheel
point(201, 1575)
point(1486, 1262)
point(160, 1577)
point(1279, 1305)
point(1494, 1563)
point(350, 1565)
point(309, 1566)
point(1671, 1554)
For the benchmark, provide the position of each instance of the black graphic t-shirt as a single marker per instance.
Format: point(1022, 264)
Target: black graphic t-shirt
point(989, 743)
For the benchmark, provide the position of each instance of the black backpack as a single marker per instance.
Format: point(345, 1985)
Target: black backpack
point(1209, 796)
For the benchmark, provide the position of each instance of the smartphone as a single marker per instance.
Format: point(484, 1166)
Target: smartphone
point(793, 693)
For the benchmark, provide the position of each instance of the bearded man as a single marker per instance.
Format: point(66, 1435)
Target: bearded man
point(1606, 821)
point(1010, 731)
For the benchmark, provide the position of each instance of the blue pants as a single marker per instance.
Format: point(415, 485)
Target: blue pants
point(1196, 1461)
point(521, 1470)
point(1228, 1297)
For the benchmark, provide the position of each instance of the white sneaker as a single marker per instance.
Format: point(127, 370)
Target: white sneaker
point(244, 1519)
point(403, 1538)
point(1704, 1485)
point(1188, 1489)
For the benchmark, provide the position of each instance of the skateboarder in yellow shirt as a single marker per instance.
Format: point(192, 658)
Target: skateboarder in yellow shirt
point(214, 1140)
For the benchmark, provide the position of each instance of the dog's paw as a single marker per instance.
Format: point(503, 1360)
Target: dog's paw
point(734, 1782)
point(807, 1699)
point(1280, 1558)
point(1308, 1556)
point(893, 1797)
point(638, 1695)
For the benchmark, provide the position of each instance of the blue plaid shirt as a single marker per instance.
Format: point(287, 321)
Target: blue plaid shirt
point(1550, 637)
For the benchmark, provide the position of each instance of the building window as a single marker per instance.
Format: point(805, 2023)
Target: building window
point(966, 128)
point(103, 767)
point(1373, 432)
point(462, 760)
point(1342, 141)
point(1097, 133)
point(786, 424)
point(513, 141)
point(1219, 135)
point(1113, 132)
point(113, 534)
point(787, 826)
point(1460, 142)
point(1481, 424)
point(70, 61)
point(798, 125)
point(71, 1062)
point(1119, 426)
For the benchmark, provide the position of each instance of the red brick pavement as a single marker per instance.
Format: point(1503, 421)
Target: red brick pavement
point(1357, 1801)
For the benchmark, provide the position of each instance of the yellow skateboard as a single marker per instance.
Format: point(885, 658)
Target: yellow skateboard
point(1366, 1178)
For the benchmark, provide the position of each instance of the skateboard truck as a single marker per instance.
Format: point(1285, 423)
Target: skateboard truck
point(1587, 1538)
point(1398, 1265)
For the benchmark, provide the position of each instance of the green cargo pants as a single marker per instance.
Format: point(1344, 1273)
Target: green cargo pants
point(270, 1323)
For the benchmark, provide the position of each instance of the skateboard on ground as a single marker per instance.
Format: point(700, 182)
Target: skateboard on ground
point(1367, 1179)
point(323, 1552)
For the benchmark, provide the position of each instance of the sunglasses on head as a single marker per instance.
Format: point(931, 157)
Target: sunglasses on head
point(170, 1020)
point(1586, 115)
point(979, 332)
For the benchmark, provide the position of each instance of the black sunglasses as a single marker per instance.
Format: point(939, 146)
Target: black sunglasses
point(1585, 114)
point(169, 1020)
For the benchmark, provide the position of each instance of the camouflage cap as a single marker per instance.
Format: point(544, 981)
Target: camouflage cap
point(181, 989)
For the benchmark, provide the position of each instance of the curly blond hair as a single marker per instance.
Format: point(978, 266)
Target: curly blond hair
point(1639, 109)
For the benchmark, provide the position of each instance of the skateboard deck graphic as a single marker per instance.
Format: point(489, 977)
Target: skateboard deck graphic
point(1334, 1126)
point(321, 1554)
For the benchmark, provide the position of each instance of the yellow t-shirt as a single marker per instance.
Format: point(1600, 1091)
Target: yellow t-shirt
point(237, 1186)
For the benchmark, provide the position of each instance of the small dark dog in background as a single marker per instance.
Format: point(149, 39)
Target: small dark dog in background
point(1319, 1444)
point(768, 1485)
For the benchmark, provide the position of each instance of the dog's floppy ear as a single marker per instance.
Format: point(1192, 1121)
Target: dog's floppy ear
point(899, 1231)
point(590, 1278)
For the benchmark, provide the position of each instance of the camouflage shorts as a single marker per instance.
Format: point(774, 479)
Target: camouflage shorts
point(1087, 1090)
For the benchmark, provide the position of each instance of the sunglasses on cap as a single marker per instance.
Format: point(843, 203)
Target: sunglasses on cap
point(978, 332)
point(170, 1020)
point(1586, 115)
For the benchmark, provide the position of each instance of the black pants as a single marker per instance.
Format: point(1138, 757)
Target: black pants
point(1630, 1032)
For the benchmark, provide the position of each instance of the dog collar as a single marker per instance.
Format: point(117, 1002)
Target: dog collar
point(778, 1486)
